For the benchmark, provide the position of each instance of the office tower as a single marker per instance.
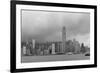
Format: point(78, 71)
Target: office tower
point(76, 46)
point(33, 47)
point(24, 50)
point(33, 43)
point(53, 48)
point(63, 39)
point(28, 48)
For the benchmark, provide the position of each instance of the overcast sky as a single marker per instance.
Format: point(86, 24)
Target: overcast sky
point(47, 26)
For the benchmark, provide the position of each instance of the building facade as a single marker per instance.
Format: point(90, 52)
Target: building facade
point(63, 40)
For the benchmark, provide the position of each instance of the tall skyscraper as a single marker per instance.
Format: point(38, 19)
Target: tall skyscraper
point(63, 39)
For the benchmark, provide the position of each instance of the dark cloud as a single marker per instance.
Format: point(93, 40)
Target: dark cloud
point(43, 26)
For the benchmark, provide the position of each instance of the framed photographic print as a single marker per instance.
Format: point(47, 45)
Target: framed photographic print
point(52, 36)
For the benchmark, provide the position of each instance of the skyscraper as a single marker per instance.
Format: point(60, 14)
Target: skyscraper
point(53, 48)
point(63, 39)
point(33, 47)
point(76, 46)
point(24, 50)
point(33, 43)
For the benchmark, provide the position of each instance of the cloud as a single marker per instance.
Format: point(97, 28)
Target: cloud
point(46, 25)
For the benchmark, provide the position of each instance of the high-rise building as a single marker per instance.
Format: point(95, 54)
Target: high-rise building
point(24, 50)
point(28, 48)
point(63, 39)
point(53, 48)
point(33, 43)
point(33, 51)
point(76, 46)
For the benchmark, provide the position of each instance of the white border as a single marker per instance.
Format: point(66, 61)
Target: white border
point(20, 65)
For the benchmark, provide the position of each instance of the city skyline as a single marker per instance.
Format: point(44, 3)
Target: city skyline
point(47, 26)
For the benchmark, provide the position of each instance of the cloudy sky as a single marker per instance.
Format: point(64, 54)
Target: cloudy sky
point(47, 26)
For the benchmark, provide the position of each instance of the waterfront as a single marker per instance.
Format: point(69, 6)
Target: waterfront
point(26, 59)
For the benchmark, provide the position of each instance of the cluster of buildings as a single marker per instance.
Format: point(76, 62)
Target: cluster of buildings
point(53, 48)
